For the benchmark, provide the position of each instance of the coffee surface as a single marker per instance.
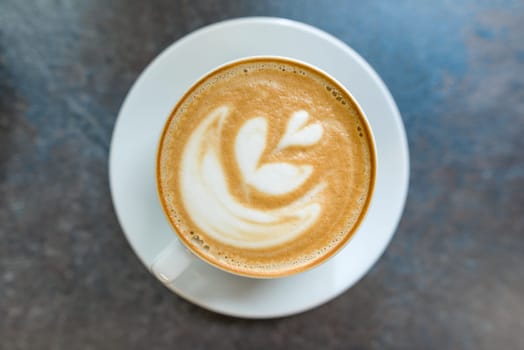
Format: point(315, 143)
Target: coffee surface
point(265, 167)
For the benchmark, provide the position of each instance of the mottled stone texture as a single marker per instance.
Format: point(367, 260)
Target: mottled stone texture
point(453, 276)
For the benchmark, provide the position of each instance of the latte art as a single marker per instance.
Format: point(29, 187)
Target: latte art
point(265, 167)
point(223, 217)
point(274, 178)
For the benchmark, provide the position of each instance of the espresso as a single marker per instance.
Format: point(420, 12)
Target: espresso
point(265, 167)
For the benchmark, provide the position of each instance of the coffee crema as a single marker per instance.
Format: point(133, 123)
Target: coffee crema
point(265, 167)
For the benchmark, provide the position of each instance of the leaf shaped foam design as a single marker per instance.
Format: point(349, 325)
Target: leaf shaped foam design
point(298, 135)
point(273, 178)
point(207, 199)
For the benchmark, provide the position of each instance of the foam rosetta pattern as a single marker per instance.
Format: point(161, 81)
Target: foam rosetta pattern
point(224, 217)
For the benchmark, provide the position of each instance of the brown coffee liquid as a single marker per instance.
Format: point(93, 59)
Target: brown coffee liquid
point(282, 228)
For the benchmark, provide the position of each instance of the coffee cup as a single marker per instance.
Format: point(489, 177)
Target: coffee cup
point(265, 168)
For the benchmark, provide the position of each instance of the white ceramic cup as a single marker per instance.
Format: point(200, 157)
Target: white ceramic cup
point(175, 258)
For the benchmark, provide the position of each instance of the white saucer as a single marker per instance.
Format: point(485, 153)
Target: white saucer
point(149, 102)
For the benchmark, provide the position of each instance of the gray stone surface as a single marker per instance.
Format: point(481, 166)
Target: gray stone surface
point(453, 276)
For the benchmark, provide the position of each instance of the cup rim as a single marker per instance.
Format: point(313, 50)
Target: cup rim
point(373, 169)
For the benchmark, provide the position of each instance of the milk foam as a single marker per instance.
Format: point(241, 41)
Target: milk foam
point(203, 180)
point(274, 178)
point(297, 134)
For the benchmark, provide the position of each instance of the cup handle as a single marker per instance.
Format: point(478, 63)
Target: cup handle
point(171, 262)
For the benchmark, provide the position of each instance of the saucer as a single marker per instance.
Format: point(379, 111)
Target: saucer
point(150, 101)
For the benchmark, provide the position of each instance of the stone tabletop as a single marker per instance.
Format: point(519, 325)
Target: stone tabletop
point(453, 276)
